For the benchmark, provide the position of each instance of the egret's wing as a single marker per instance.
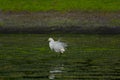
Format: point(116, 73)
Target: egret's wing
point(64, 44)
point(59, 39)
point(61, 44)
point(60, 47)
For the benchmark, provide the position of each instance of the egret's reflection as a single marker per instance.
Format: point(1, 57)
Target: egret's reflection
point(57, 70)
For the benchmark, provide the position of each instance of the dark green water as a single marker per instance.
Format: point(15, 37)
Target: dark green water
point(88, 57)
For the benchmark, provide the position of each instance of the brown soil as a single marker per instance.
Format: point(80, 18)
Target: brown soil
point(60, 22)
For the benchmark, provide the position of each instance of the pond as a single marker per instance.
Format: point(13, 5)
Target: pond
point(87, 57)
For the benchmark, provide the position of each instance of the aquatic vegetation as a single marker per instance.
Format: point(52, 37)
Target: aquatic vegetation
point(27, 56)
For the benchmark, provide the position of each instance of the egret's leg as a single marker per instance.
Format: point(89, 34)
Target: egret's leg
point(60, 54)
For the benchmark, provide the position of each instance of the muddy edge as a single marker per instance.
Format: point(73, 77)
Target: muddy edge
point(60, 22)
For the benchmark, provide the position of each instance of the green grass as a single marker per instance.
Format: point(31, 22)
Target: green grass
point(59, 5)
point(27, 56)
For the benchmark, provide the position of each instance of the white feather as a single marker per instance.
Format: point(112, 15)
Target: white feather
point(57, 46)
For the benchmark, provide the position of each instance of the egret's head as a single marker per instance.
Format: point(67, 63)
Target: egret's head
point(50, 39)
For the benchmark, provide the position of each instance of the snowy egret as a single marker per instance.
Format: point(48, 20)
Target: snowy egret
point(57, 46)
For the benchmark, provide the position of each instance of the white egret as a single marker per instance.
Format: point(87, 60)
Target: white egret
point(57, 46)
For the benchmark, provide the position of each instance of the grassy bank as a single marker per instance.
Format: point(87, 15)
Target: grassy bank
point(58, 16)
point(59, 5)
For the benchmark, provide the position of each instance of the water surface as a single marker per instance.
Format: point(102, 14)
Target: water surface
point(88, 57)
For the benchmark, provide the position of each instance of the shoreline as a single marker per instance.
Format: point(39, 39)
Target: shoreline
point(60, 22)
